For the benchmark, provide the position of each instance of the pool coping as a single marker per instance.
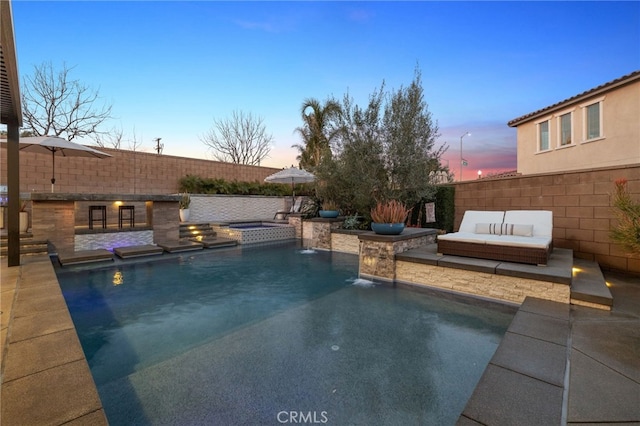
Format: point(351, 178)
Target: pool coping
point(44, 374)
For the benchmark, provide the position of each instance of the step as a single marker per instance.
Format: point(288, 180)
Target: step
point(187, 225)
point(26, 250)
point(179, 246)
point(196, 232)
point(138, 251)
point(84, 256)
point(588, 286)
point(5, 237)
point(27, 246)
point(215, 242)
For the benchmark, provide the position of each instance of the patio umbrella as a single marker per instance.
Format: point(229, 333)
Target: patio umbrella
point(291, 175)
point(53, 144)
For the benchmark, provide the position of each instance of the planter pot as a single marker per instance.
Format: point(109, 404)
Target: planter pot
point(184, 215)
point(387, 228)
point(24, 222)
point(329, 213)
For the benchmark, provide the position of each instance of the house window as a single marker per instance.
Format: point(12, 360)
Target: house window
point(565, 129)
point(593, 121)
point(543, 136)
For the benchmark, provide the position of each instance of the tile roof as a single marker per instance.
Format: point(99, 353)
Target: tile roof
point(635, 75)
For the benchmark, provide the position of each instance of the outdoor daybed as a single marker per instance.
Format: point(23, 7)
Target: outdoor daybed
point(522, 236)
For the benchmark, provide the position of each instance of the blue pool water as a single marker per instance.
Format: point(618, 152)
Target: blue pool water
point(257, 335)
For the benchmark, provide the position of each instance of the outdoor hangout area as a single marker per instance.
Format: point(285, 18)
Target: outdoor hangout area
point(529, 370)
point(137, 270)
point(508, 247)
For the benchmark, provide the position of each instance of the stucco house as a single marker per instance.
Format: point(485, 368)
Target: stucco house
point(597, 128)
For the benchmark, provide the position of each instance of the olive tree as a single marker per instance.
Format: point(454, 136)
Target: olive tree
point(386, 150)
point(410, 152)
point(355, 177)
point(240, 139)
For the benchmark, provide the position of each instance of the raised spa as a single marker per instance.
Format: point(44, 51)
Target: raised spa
point(255, 232)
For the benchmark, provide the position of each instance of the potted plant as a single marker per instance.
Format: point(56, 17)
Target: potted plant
point(24, 217)
point(388, 217)
point(184, 203)
point(329, 209)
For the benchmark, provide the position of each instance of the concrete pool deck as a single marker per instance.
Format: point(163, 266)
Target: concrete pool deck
point(558, 364)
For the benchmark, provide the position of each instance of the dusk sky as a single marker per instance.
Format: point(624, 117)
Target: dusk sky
point(170, 68)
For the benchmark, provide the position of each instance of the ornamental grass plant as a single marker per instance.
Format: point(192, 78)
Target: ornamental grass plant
point(392, 211)
point(185, 201)
point(329, 205)
point(627, 230)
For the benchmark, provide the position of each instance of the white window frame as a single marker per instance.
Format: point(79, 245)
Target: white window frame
point(559, 128)
point(585, 124)
point(538, 123)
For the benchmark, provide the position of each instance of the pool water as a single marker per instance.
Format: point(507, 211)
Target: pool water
point(260, 335)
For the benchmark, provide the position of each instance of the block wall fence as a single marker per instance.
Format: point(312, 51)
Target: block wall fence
point(126, 172)
point(580, 202)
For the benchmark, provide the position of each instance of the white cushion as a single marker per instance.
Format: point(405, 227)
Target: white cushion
point(516, 241)
point(471, 217)
point(542, 220)
point(466, 237)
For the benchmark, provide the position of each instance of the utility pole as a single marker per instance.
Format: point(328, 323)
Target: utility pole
point(159, 146)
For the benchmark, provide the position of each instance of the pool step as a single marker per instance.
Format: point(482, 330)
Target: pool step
point(588, 287)
point(190, 230)
point(27, 245)
point(84, 256)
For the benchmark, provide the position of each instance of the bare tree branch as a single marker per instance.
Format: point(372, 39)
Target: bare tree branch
point(241, 139)
point(110, 139)
point(55, 105)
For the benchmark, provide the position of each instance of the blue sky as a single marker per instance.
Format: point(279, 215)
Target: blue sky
point(170, 68)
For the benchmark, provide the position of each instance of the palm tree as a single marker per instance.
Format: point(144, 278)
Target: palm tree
point(317, 131)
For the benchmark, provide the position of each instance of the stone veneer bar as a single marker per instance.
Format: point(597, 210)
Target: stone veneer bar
point(54, 218)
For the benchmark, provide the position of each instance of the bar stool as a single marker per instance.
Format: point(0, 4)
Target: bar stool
point(126, 213)
point(103, 216)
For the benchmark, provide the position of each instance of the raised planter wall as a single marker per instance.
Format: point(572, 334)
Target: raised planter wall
point(498, 287)
point(377, 252)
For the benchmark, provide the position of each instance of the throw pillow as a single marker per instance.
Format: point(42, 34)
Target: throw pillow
point(489, 228)
point(517, 229)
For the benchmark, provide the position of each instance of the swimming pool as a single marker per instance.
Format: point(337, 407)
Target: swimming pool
point(257, 335)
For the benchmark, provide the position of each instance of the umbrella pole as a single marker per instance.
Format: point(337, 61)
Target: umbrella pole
point(53, 175)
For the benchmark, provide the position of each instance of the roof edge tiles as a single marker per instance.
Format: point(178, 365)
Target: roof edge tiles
point(626, 79)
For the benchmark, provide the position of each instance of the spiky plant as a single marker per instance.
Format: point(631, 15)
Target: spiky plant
point(392, 211)
point(626, 231)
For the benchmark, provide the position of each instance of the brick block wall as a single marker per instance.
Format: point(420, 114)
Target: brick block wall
point(581, 205)
point(126, 172)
